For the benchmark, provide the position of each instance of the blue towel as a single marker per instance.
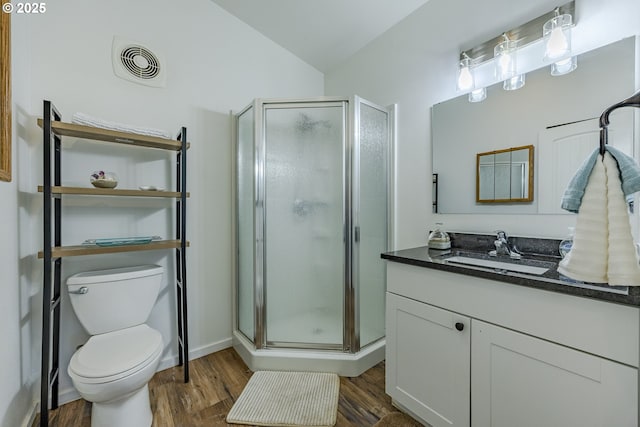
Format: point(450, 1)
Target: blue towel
point(629, 177)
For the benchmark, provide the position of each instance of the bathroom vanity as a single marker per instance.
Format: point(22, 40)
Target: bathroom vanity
point(482, 346)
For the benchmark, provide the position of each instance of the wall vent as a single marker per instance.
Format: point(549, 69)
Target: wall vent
point(137, 63)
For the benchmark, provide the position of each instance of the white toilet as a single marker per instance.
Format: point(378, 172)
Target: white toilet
point(113, 368)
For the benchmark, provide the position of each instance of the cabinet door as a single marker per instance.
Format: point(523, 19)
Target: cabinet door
point(518, 380)
point(428, 364)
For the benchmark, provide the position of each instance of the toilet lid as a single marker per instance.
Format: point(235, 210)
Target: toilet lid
point(113, 355)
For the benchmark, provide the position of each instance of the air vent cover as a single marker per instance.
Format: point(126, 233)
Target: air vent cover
point(137, 63)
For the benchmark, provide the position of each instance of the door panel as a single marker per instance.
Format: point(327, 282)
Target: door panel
point(428, 365)
point(519, 380)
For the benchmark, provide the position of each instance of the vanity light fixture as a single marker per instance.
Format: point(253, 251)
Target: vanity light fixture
point(465, 75)
point(556, 33)
point(514, 83)
point(478, 95)
point(564, 66)
point(466, 80)
point(554, 41)
point(505, 54)
point(557, 36)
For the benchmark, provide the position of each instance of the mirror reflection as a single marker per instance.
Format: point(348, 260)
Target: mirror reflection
point(505, 176)
point(539, 114)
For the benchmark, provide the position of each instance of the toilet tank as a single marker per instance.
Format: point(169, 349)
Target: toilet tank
point(108, 300)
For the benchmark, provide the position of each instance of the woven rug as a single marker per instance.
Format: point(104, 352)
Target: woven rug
point(274, 398)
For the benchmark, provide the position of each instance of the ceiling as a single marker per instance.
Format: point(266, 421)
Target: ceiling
point(323, 33)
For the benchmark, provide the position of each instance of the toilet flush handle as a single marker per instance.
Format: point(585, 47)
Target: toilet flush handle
point(83, 290)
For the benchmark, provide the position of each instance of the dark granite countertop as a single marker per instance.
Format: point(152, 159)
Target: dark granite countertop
point(551, 280)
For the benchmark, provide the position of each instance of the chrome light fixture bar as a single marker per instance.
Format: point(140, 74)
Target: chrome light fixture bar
point(524, 34)
point(554, 27)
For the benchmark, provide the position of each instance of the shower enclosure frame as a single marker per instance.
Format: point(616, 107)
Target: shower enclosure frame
point(351, 343)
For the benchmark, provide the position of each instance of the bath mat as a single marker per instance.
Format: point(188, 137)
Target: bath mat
point(397, 419)
point(275, 398)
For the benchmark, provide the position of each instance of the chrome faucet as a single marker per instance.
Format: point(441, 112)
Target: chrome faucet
point(503, 248)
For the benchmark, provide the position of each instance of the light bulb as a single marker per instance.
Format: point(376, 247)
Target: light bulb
point(557, 34)
point(505, 54)
point(465, 79)
point(505, 65)
point(557, 44)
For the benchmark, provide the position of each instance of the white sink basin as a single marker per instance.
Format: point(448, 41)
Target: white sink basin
point(487, 263)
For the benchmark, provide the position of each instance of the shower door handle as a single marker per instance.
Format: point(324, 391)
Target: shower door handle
point(356, 234)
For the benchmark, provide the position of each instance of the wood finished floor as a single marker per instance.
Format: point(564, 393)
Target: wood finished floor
point(216, 382)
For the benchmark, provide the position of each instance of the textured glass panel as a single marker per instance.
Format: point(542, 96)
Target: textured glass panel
point(304, 286)
point(374, 146)
point(486, 175)
point(503, 176)
point(518, 180)
point(246, 236)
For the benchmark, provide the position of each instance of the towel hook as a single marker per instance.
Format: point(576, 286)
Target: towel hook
point(633, 101)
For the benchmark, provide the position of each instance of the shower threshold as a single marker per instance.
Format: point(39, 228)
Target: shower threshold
point(343, 364)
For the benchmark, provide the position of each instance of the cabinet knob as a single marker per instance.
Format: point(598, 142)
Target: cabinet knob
point(459, 326)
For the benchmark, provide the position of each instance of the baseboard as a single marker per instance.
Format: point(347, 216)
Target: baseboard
point(31, 415)
point(195, 353)
point(70, 394)
point(210, 348)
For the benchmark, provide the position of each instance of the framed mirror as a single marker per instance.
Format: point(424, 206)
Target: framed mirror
point(5, 97)
point(505, 176)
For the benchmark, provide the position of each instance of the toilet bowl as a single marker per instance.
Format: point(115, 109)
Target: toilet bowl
point(113, 368)
point(112, 371)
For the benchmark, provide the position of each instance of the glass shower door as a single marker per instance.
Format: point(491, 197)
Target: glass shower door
point(372, 151)
point(246, 218)
point(304, 224)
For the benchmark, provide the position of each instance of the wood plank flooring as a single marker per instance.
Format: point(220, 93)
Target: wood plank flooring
point(216, 382)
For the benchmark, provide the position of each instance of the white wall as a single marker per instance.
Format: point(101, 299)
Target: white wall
point(215, 64)
point(16, 357)
point(414, 64)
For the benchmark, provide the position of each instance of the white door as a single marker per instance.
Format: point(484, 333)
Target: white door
point(562, 150)
point(428, 364)
point(519, 380)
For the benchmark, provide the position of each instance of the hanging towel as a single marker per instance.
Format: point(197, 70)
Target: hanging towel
point(603, 250)
point(84, 119)
point(629, 176)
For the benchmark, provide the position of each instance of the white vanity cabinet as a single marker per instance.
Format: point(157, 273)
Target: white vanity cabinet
point(524, 357)
point(428, 361)
point(519, 380)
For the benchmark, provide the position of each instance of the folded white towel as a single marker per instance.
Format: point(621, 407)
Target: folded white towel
point(603, 249)
point(84, 119)
point(587, 260)
point(623, 268)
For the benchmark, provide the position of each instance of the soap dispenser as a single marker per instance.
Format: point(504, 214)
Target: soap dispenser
point(439, 239)
point(567, 243)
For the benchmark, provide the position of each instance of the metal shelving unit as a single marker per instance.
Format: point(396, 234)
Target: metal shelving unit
point(53, 251)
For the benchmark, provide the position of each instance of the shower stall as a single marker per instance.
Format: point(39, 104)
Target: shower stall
point(313, 188)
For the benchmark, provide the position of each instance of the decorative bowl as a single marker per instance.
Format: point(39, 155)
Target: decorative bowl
point(102, 179)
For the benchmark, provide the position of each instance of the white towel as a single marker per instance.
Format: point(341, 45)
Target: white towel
point(84, 119)
point(603, 249)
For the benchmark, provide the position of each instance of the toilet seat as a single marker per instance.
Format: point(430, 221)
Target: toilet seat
point(115, 355)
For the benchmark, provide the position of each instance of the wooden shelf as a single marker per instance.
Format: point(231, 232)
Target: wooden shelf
point(90, 191)
point(107, 135)
point(67, 251)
